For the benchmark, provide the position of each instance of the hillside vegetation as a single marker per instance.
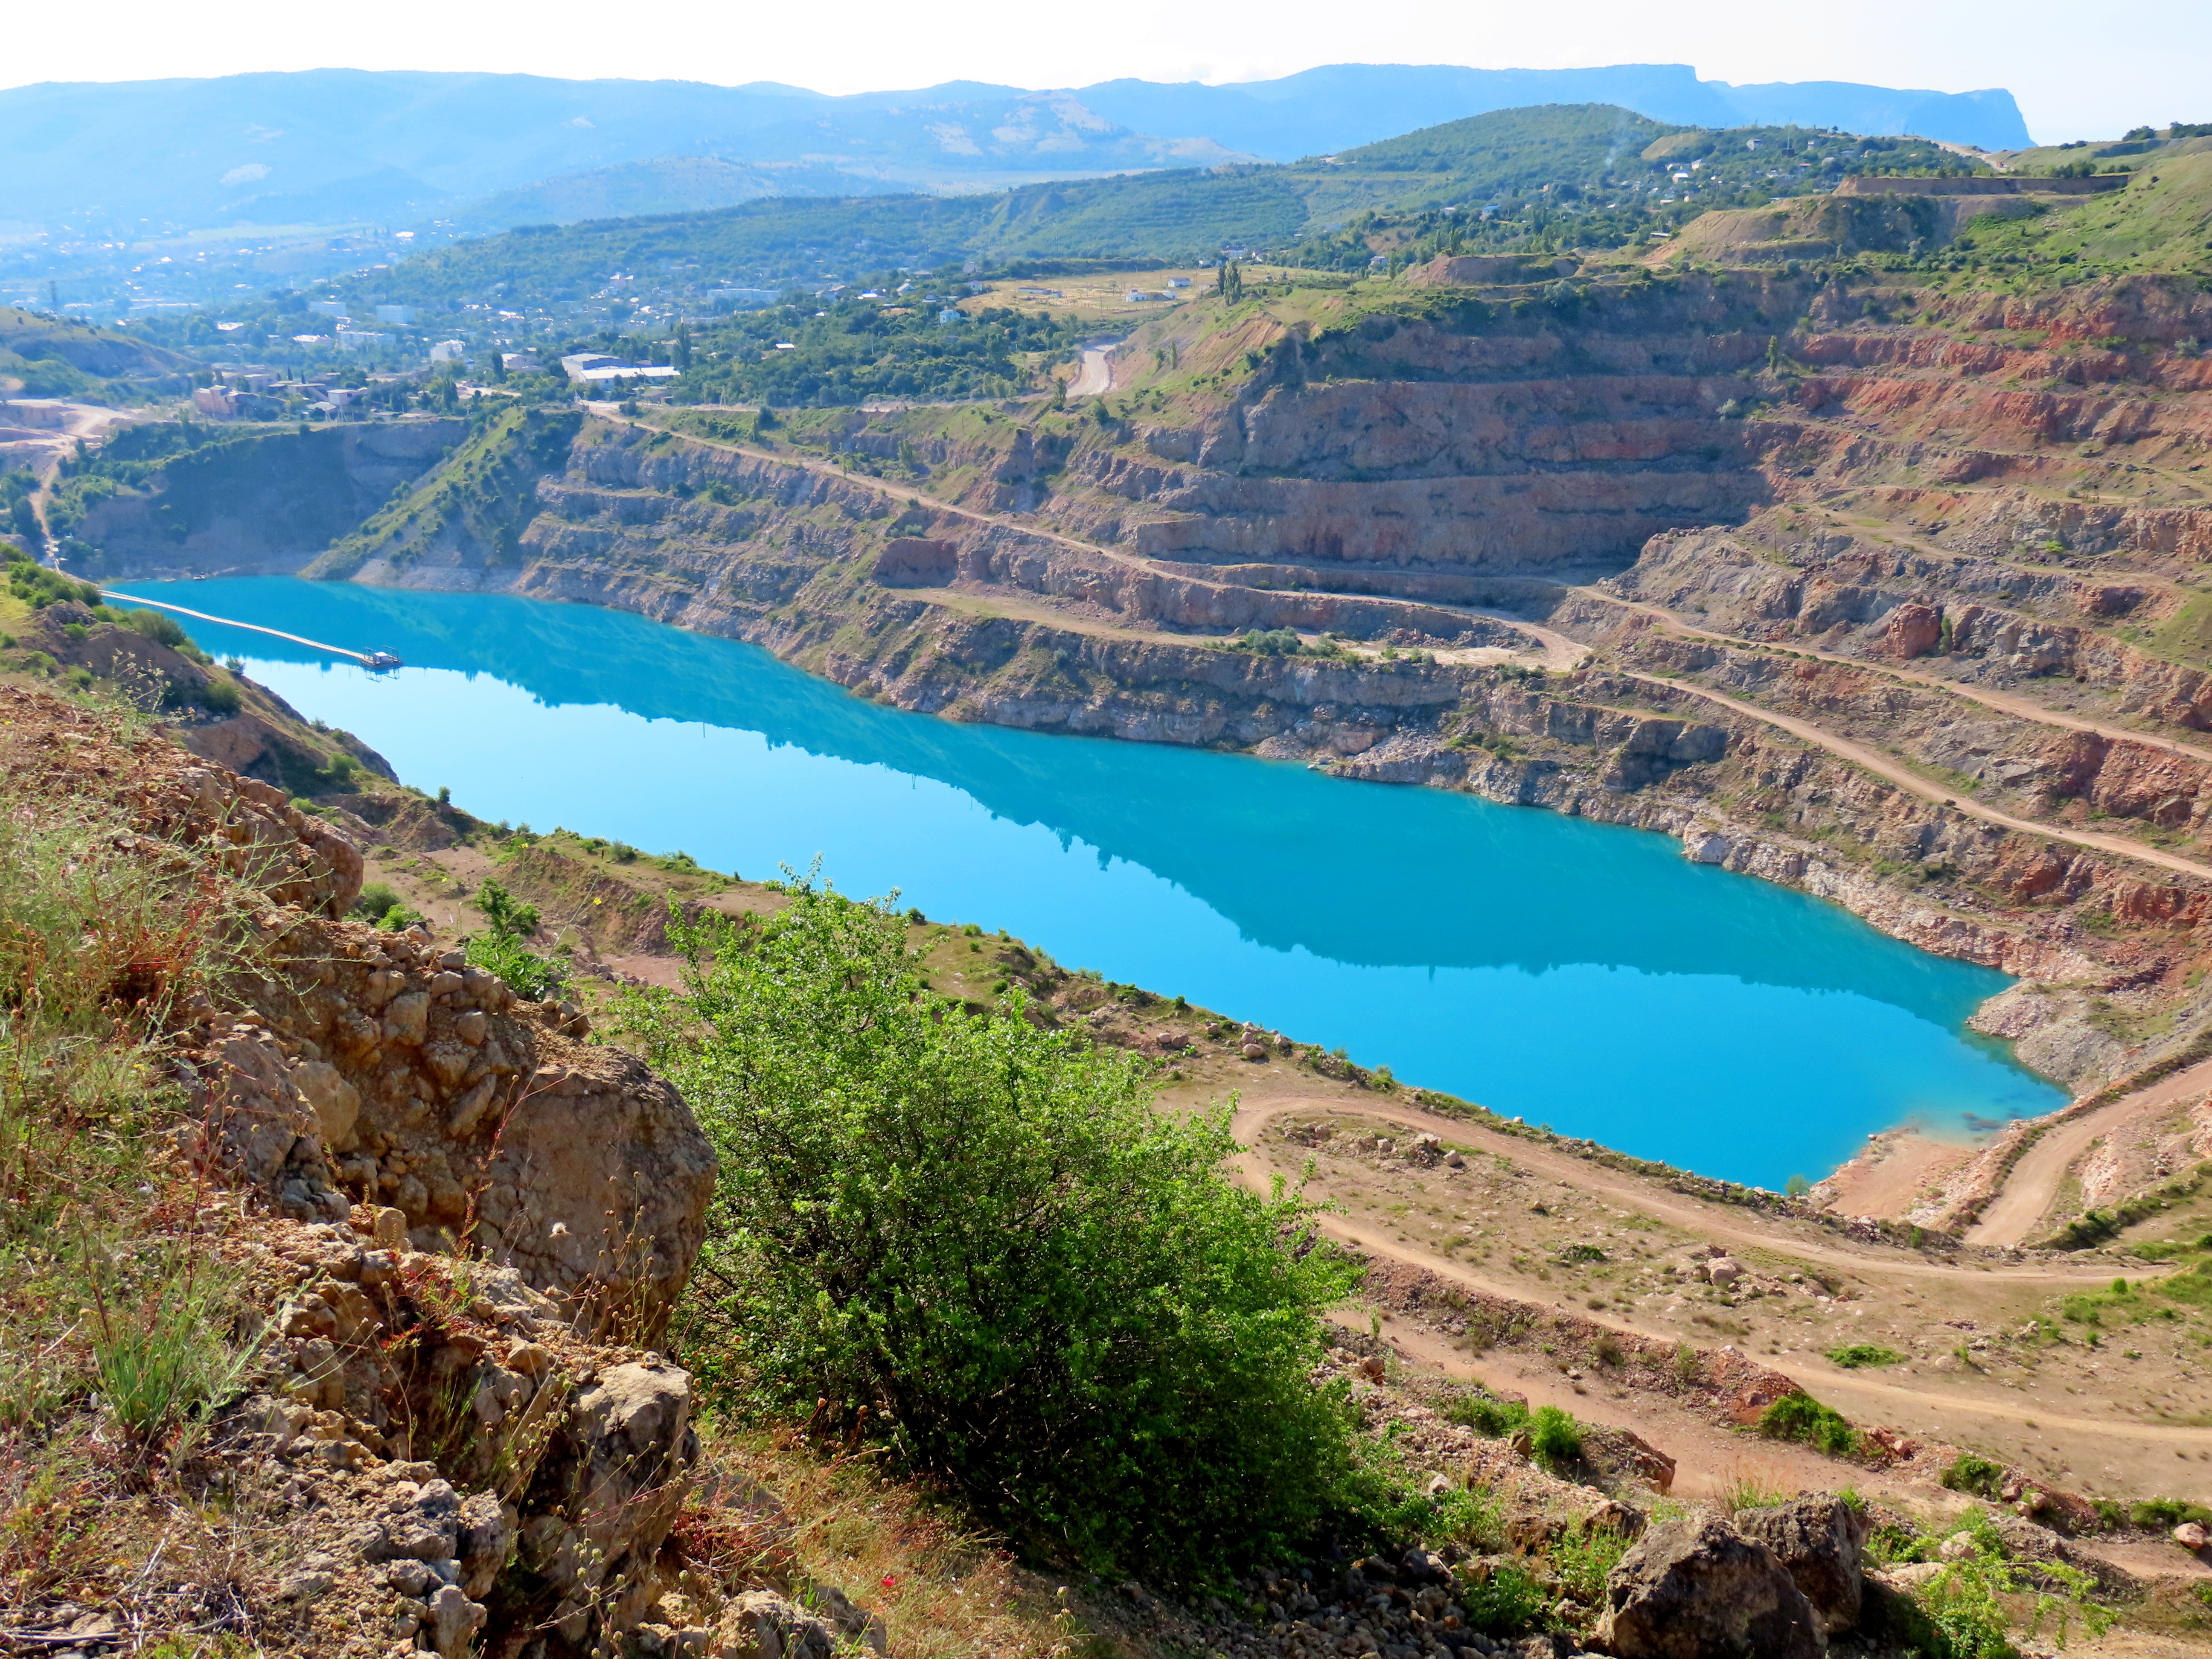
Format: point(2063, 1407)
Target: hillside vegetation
point(1593, 170)
point(46, 356)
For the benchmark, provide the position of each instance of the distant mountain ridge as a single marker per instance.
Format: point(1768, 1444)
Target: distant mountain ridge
point(334, 146)
point(1339, 106)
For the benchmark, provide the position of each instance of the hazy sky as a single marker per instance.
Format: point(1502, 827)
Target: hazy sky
point(2075, 76)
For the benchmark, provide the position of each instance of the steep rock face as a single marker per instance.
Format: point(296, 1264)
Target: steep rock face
point(366, 1067)
point(472, 1457)
point(1554, 430)
point(258, 505)
point(1694, 1588)
point(383, 1073)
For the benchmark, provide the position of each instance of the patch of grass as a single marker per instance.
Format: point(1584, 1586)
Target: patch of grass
point(1488, 1415)
point(1801, 1417)
point(1750, 1491)
point(1852, 1355)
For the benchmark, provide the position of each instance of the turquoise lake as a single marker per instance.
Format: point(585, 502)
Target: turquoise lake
point(1575, 973)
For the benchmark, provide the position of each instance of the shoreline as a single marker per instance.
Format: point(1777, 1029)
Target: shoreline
point(1657, 1167)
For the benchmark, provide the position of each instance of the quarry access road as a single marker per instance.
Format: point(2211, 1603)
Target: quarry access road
point(1558, 651)
point(1904, 777)
point(2034, 1181)
point(1850, 1390)
point(1254, 1114)
point(2003, 701)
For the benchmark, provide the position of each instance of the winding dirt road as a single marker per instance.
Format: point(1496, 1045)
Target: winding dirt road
point(1873, 760)
point(2034, 1182)
point(1712, 1221)
point(1851, 1391)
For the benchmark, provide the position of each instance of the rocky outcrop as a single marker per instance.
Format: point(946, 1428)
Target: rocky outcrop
point(380, 1071)
point(1696, 1588)
point(461, 1226)
point(477, 1478)
point(292, 857)
point(1819, 1538)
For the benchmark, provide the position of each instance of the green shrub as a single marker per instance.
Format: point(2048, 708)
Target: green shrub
point(500, 951)
point(152, 625)
point(1970, 1473)
point(1852, 1355)
point(1485, 1415)
point(221, 696)
point(1801, 1417)
point(1554, 1437)
point(1507, 1602)
point(976, 1241)
point(38, 586)
point(528, 975)
point(1385, 1503)
point(375, 901)
point(2166, 1513)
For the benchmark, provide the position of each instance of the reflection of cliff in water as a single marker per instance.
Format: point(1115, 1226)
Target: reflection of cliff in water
point(1355, 873)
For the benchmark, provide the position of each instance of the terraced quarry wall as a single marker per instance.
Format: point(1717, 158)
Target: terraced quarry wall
point(1884, 591)
point(250, 504)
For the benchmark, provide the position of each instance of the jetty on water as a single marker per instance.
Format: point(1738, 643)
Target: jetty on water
point(367, 658)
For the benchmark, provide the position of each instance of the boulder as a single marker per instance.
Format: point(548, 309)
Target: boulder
point(1697, 1588)
point(602, 1500)
point(761, 1624)
point(1820, 1539)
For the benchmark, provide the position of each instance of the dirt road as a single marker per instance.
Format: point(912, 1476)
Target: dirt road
point(1709, 1221)
point(1904, 777)
point(2003, 701)
point(1919, 1406)
point(2034, 1181)
point(1095, 378)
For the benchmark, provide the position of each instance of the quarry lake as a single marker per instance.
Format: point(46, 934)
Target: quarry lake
point(1579, 975)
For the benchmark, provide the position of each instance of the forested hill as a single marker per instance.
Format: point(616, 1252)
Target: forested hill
point(1612, 169)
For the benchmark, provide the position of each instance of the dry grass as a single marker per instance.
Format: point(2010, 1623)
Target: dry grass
point(117, 1320)
point(947, 1590)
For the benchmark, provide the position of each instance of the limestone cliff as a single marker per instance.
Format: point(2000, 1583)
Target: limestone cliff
point(463, 1224)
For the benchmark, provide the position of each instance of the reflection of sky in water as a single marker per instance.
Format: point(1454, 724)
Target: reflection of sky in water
point(1577, 974)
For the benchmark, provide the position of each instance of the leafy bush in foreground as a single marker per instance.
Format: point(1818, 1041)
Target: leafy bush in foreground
point(977, 1241)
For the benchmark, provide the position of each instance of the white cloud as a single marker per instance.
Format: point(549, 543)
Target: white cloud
point(246, 175)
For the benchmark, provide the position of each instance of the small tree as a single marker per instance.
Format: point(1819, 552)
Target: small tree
point(500, 950)
point(976, 1241)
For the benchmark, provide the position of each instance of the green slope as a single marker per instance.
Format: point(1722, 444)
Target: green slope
point(2162, 221)
point(1582, 173)
point(43, 356)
